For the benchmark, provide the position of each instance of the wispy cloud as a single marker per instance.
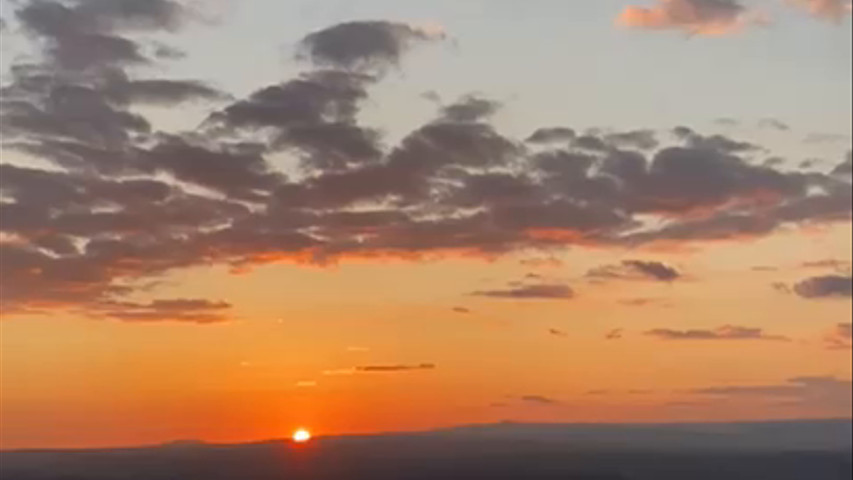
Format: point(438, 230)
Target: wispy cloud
point(531, 292)
point(539, 400)
point(825, 392)
point(636, 270)
point(180, 310)
point(723, 333)
point(394, 368)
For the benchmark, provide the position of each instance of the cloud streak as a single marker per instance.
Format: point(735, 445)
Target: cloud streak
point(723, 333)
point(636, 270)
point(530, 292)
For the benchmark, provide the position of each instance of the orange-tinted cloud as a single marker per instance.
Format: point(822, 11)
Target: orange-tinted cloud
point(833, 10)
point(696, 17)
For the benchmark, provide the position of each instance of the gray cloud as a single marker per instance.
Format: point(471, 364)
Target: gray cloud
point(84, 34)
point(830, 286)
point(471, 108)
point(552, 135)
point(363, 45)
point(122, 203)
point(723, 333)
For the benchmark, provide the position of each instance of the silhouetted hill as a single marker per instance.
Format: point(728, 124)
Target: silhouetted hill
point(777, 451)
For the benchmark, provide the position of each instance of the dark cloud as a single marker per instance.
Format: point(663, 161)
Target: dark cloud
point(84, 34)
point(829, 286)
point(636, 270)
point(845, 168)
point(395, 368)
point(722, 333)
point(471, 108)
point(557, 333)
point(462, 310)
point(695, 17)
point(165, 92)
point(531, 292)
point(552, 135)
point(122, 203)
point(364, 45)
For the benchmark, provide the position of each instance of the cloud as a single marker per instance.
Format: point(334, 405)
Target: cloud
point(539, 400)
point(695, 17)
point(723, 333)
point(617, 334)
point(832, 10)
point(470, 108)
point(531, 292)
point(640, 302)
point(830, 286)
point(84, 34)
point(824, 392)
point(119, 202)
point(841, 337)
point(367, 45)
point(636, 270)
point(394, 368)
point(181, 310)
point(557, 333)
point(462, 310)
point(552, 135)
point(774, 124)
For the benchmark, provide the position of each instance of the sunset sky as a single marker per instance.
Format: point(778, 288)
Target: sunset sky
point(226, 220)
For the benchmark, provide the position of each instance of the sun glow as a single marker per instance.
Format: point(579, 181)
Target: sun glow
point(301, 436)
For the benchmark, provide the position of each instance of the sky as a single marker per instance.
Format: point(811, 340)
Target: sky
point(223, 221)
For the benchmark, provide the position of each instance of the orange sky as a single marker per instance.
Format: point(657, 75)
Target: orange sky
point(285, 358)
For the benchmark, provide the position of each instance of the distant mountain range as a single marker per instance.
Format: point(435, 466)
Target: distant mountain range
point(806, 450)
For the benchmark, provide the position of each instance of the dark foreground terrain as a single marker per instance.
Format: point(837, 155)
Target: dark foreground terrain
point(772, 451)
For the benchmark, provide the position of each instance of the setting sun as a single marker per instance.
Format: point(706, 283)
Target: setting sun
point(301, 436)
